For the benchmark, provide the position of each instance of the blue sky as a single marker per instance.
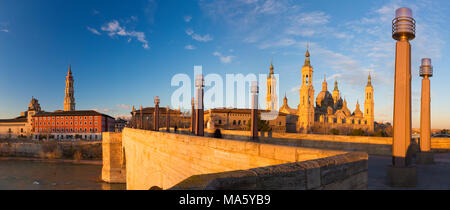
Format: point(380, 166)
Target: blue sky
point(126, 52)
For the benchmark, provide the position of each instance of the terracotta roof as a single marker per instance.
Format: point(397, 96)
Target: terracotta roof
point(71, 113)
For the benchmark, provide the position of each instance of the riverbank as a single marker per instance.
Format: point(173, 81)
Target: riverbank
point(51, 150)
point(78, 162)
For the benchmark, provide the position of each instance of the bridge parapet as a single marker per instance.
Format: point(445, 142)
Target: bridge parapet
point(168, 160)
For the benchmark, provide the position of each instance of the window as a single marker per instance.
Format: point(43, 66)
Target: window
point(239, 122)
point(76, 122)
point(90, 117)
point(71, 118)
point(85, 117)
point(21, 130)
point(85, 122)
point(57, 123)
point(90, 123)
point(71, 130)
point(96, 130)
point(90, 130)
point(234, 122)
point(71, 122)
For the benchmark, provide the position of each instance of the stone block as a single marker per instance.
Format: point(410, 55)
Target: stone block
point(424, 158)
point(402, 176)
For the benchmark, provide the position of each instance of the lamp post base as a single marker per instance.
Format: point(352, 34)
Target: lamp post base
point(402, 176)
point(425, 158)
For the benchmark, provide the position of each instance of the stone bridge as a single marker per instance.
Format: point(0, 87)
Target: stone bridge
point(146, 159)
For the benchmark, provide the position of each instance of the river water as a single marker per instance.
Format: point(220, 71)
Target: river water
point(37, 175)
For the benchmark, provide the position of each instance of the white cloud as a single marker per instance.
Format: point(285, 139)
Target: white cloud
point(189, 47)
point(187, 18)
point(312, 18)
point(197, 37)
point(93, 30)
point(123, 106)
point(4, 27)
point(113, 28)
point(224, 58)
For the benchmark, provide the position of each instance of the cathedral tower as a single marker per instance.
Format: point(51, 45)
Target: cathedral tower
point(369, 106)
point(69, 100)
point(306, 106)
point(336, 94)
point(271, 98)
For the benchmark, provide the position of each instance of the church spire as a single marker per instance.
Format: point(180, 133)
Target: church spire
point(307, 56)
point(69, 99)
point(69, 73)
point(369, 81)
point(336, 86)
point(271, 67)
point(324, 84)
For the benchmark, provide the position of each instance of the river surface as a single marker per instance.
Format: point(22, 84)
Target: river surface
point(37, 175)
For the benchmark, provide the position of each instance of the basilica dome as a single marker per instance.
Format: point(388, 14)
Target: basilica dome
point(324, 99)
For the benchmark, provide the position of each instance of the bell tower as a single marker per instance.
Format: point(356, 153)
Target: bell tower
point(369, 106)
point(271, 98)
point(306, 106)
point(69, 100)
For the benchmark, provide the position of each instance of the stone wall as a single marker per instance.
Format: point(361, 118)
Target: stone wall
point(371, 145)
point(52, 150)
point(114, 168)
point(341, 172)
point(165, 159)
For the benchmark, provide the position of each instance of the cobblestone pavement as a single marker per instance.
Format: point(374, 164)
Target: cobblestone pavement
point(429, 177)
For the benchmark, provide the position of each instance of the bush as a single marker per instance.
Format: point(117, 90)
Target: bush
point(262, 125)
point(357, 132)
point(77, 156)
point(334, 131)
point(380, 133)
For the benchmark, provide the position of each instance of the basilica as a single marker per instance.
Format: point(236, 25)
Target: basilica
point(328, 113)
